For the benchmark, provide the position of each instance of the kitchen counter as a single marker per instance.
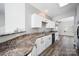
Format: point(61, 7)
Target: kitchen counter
point(20, 45)
point(4, 38)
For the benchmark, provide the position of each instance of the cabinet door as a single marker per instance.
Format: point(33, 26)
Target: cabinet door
point(43, 44)
point(48, 24)
point(38, 48)
point(33, 53)
point(49, 40)
point(46, 41)
point(36, 21)
point(52, 24)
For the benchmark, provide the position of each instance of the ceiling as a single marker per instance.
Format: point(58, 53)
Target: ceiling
point(54, 9)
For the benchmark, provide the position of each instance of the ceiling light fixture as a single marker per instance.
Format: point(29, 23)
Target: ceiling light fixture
point(63, 4)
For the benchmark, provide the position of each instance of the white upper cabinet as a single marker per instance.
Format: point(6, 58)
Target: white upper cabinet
point(50, 24)
point(56, 28)
point(44, 20)
point(36, 21)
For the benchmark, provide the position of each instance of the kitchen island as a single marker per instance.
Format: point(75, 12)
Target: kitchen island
point(20, 45)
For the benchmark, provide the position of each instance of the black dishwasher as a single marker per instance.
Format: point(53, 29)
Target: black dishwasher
point(53, 38)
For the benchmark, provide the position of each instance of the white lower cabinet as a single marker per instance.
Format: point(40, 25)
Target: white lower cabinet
point(48, 41)
point(43, 44)
point(40, 45)
point(29, 54)
point(33, 53)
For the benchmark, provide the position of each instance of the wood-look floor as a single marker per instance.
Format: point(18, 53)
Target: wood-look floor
point(63, 47)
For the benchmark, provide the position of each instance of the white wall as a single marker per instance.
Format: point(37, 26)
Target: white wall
point(66, 27)
point(2, 30)
point(2, 24)
point(65, 15)
point(2, 19)
point(14, 17)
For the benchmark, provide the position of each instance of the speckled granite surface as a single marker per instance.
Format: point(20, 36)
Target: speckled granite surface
point(20, 45)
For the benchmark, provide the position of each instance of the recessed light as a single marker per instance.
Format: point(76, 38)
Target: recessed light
point(63, 4)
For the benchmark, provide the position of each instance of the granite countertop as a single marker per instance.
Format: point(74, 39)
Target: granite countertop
point(21, 45)
point(8, 37)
